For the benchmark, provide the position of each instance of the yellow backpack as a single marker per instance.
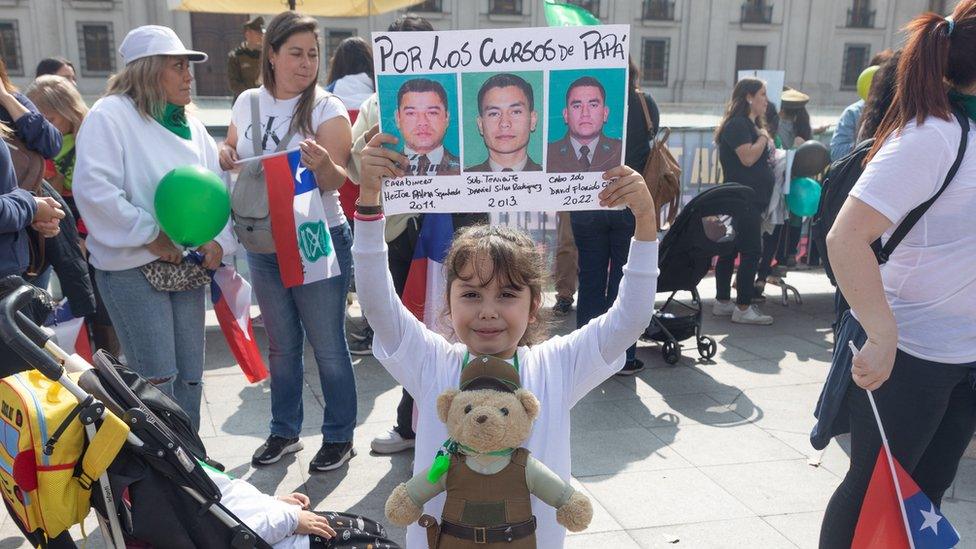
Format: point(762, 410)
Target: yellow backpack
point(46, 471)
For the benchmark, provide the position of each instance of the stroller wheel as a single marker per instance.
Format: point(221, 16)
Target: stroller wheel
point(671, 352)
point(707, 347)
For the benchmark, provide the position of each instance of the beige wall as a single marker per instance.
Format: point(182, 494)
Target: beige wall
point(806, 37)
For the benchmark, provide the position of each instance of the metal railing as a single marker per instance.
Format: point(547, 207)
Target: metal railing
point(658, 10)
point(760, 13)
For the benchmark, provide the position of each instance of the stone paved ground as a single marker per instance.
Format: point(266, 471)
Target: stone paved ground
point(693, 455)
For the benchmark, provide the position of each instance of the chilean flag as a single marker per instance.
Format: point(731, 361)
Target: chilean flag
point(231, 297)
point(423, 294)
point(882, 524)
point(298, 224)
point(71, 332)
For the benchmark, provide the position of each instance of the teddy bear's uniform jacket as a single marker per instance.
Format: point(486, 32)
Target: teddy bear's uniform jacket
point(475, 499)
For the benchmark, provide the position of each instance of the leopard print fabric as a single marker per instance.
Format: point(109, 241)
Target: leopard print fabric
point(167, 277)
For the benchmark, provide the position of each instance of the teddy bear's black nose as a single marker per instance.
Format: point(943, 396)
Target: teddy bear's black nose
point(481, 419)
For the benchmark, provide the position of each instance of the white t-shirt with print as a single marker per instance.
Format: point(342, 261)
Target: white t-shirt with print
point(930, 278)
point(276, 116)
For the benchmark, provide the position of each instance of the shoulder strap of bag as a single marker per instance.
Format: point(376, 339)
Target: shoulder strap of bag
point(912, 218)
point(647, 114)
point(256, 124)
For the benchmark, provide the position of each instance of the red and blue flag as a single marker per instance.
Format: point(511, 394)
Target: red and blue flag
point(882, 524)
point(231, 297)
point(298, 223)
point(424, 292)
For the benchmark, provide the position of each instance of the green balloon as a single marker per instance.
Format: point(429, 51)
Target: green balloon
point(804, 197)
point(864, 81)
point(192, 205)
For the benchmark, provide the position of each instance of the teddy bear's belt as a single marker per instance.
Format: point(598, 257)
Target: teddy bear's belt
point(493, 534)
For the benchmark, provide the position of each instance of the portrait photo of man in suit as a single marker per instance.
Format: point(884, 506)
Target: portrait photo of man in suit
point(422, 117)
point(506, 120)
point(584, 148)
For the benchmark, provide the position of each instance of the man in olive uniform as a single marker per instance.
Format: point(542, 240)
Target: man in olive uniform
point(244, 61)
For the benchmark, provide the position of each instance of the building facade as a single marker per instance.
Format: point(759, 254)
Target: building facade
point(688, 50)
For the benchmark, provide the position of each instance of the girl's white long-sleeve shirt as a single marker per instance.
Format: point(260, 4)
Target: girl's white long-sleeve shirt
point(559, 371)
point(121, 156)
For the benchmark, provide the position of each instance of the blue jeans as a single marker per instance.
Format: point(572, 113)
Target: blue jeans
point(162, 333)
point(603, 240)
point(315, 310)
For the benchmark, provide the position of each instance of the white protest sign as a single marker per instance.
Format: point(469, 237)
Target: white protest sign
point(503, 119)
point(774, 83)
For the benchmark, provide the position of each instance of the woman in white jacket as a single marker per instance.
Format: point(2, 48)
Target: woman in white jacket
point(130, 139)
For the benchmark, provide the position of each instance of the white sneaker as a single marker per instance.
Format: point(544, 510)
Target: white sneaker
point(390, 443)
point(751, 316)
point(723, 308)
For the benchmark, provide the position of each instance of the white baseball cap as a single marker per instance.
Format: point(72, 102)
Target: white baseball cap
point(149, 40)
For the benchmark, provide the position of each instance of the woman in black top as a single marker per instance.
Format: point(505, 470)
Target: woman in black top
point(745, 151)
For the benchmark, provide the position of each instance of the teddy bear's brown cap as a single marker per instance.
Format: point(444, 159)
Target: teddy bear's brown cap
point(488, 372)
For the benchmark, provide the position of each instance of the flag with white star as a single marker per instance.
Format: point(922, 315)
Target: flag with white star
point(299, 227)
point(882, 523)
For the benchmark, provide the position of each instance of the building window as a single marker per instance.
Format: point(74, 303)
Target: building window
point(937, 6)
point(757, 11)
point(10, 48)
point(749, 58)
point(332, 40)
point(96, 45)
point(592, 6)
point(505, 7)
point(855, 60)
point(654, 61)
point(658, 10)
point(430, 6)
point(860, 15)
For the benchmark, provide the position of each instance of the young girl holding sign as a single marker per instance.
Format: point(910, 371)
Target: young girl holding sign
point(494, 291)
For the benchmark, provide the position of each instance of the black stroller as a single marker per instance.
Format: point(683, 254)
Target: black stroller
point(155, 492)
point(704, 228)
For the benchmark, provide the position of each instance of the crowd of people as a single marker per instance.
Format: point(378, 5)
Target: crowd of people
point(76, 199)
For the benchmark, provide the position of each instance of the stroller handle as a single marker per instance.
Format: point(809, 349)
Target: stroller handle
point(23, 336)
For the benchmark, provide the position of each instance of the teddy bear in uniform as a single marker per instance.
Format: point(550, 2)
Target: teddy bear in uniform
point(488, 477)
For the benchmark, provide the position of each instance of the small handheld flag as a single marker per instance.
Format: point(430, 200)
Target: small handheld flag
point(298, 223)
point(896, 513)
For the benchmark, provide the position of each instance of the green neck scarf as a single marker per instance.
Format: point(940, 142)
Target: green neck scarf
point(174, 120)
point(967, 102)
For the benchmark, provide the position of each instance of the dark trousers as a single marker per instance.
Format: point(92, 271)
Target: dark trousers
point(603, 241)
point(770, 245)
point(748, 247)
point(929, 415)
point(399, 257)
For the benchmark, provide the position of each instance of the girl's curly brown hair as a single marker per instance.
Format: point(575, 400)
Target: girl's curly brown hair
point(513, 256)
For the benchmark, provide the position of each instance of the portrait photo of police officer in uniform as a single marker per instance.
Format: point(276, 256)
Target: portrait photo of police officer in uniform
point(585, 146)
point(422, 118)
point(506, 119)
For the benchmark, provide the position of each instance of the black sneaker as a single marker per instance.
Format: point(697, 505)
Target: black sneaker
point(562, 307)
point(631, 367)
point(331, 456)
point(274, 448)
